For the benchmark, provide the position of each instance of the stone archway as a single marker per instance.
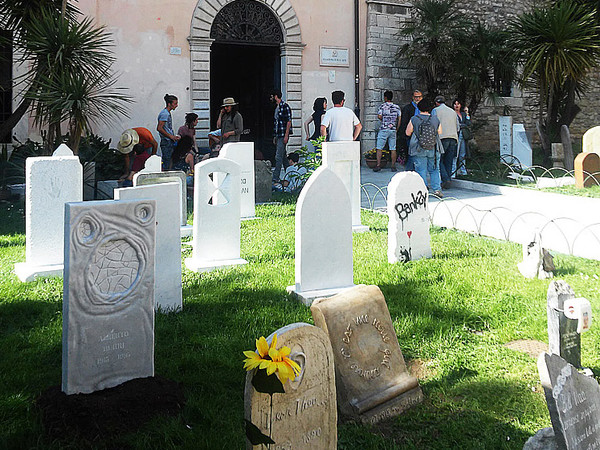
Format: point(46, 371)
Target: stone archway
point(291, 61)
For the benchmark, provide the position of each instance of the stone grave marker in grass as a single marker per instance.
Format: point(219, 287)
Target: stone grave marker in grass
point(167, 282)
point(305, 416)
point(343, 159)
point(323, 238)
point(521, 148)
point(372, 381)
point(565, 137)
point(587, 170)
point(243, 154)
point(263, 181)
point(573, 401)
point(148, 178)
point(590, 142)
point(216, 215)
point(51, 182)
point(152, 164)
point(564, 333)
point(108, 291)
point(505, 133)
point(408, 226)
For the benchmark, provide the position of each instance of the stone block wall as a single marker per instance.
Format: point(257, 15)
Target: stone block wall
point(384, 71)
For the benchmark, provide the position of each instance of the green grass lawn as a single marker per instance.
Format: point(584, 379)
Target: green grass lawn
point(452, 313)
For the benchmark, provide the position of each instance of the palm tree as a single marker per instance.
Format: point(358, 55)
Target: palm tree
point(558, 46)
point(434, 28)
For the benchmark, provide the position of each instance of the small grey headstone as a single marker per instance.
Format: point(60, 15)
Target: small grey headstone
point(573, 401)
point(177, 176)
point(563, 338)
point(108, 291)
point(544, 439)
point(263, 178)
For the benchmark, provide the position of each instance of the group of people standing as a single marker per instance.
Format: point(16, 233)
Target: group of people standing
point(431, 137)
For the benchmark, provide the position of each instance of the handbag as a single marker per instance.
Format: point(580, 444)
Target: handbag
point(467, 134)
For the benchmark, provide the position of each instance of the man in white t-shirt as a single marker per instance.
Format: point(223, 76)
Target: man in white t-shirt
point(342, 122)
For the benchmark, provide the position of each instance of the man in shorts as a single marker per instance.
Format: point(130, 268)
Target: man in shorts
point(389, 113)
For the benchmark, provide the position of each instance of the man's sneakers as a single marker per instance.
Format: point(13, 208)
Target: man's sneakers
point(376, 169)
point(393, 169)
point(438, 194)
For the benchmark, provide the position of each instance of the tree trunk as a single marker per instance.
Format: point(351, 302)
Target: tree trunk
point(7, 126)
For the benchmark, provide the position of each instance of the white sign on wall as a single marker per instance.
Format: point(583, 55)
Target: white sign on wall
point(334, 56)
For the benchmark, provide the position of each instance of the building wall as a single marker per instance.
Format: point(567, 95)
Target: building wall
point(145, 33)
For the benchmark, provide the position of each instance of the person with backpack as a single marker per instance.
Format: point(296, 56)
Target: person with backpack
point(424, 148)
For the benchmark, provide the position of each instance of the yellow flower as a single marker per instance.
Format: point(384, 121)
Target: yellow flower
point(258, 359)
point(273, 360)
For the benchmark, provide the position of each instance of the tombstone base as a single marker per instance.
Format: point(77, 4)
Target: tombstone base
point(249, 218)
point(196, 265)
point(360, 228)
point(544, 439)
point(29, 272)
point(186, 230)
point(308, 297)
point(394, 407)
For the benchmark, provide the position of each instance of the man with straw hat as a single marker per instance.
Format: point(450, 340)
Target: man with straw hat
point(129, 139)
point(230, 121)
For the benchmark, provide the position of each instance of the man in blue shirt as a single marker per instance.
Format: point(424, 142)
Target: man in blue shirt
point(165, 129)
point(282, 128)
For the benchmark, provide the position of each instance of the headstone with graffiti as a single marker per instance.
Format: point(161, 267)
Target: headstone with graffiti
point(408, 226)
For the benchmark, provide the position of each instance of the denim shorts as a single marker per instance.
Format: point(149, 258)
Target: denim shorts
point(388, 136)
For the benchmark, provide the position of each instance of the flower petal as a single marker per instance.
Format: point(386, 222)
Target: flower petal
point(262, 346)
point(274, 341)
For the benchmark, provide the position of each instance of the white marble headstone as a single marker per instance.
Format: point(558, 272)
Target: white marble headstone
point(591, 141)
point(323, 238)
point(408, 226)
point(153, 164)
point(521, 146)
point(343, 159)
point(108, 294)
point(178, 176)
point(216, 215)
point(505, 125)
point(305, 416)
point(243, 154)
point(51, 182)
point(167, 282)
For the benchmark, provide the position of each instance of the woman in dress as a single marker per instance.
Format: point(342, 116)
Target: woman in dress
point(319, 107)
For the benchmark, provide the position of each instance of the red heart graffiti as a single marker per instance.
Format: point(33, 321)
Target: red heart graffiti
point(409, 233)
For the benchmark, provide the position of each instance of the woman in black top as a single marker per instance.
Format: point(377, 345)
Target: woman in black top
point(319, 108)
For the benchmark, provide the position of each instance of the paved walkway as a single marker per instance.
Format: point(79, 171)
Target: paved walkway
point(568, 224)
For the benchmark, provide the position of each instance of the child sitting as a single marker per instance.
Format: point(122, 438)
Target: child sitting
point(292, 180)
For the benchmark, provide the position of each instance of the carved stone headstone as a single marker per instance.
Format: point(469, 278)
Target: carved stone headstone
point(591, 141)
point(343, 159)
point(305, 416)
point(243, 154)
point(50, 182)
point(573, 401)
point(563, 338)
point(152, 164)
point(262, 181)
point(521, 147)
point(537, 261)
point(408, 226)
point(372, 382)
point(587, 170)
point(565, 137)
point(177, 176)
point(108, 290)
point(216, 215)
point(323, 238)
point(505, 130)
point(167, 282)
point(558, 155)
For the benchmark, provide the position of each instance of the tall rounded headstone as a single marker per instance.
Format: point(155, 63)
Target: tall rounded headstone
point(305, 416)
point(324, 264)
point(243, 154)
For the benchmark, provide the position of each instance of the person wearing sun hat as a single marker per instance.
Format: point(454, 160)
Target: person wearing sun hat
point(230, 121)
point(129, 138)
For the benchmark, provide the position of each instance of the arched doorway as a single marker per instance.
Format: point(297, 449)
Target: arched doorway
point(247, 31)
point(246, 64)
